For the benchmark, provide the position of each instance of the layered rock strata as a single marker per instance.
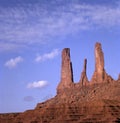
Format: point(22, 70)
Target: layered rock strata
point(89, 103)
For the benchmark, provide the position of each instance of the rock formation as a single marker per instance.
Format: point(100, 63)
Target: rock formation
point(100, 74)
point(66, 70)
point(89, 103)
point(83, 78)
point(118, 78)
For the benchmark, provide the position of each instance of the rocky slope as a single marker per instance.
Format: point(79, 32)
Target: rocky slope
point(94, 101)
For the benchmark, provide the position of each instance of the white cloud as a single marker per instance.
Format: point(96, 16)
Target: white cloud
point(37, 84)
point(47, 56)
point(13, 62)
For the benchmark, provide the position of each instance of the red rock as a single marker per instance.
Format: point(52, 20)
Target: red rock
point(83, 78)
point(100, 74)
point(66, 71)
point(118, 78)
point(75, 103)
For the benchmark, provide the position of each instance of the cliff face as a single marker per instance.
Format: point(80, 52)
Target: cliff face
point(82, 102)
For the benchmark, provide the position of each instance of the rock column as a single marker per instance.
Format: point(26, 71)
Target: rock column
point(100, 74)
point(66, 70)
point(83, 78)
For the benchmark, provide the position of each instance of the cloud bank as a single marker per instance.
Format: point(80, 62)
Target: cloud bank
point(37, 84)
point(13, 62)
point(47, 56)
point(40, 23)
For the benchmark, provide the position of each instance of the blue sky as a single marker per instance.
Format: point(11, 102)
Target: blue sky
point(32, 36)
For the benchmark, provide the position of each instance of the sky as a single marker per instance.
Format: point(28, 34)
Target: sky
point(32, 36)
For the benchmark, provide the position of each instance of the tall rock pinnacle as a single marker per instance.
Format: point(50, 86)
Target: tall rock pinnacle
point(99, 59)
point(66, 70)
point(100, 74)
point(83, 78)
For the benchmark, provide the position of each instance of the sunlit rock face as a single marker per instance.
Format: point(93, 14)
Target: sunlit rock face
point(66, 70)
point(100, 74)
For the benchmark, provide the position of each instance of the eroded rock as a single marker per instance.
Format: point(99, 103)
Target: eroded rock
point(118, 77)
point(100, 74)
point(66, 70)
point(77, 104)
point(83, 78)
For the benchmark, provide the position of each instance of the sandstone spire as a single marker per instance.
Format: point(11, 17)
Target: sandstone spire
point(99, 59)
point(83, 78)
point(100, 74)
point(66, 70)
